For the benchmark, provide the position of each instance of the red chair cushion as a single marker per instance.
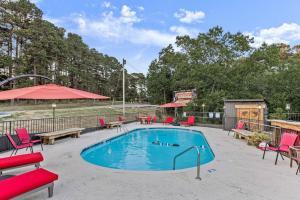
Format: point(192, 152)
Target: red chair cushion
point(36, 141)
point(20, 160)
point(168, 120)
point(281, 149)
point(240, 125)
point(26, 182)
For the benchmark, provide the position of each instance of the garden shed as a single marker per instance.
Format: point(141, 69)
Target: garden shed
point(254, 110)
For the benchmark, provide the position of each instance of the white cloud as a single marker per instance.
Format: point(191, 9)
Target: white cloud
point(285, 33)
point(186, 16)
point(128, 15)
point(181, 30)
point(120, 29)
point(141, 8)
point(56, 21)
point(35, 1)
point(106, 4)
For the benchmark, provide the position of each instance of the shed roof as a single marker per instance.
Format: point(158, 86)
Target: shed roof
point(244, 100)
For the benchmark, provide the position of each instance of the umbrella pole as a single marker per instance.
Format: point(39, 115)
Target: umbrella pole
point(53, 115)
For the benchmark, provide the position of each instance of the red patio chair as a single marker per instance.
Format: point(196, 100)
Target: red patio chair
point(25, 138)
point(190, 121)
point(154, 119)
point(17, 147)
point(287, 140)
point(32, 181)
point(121, 119)
point(20, 161)
point(102, 123)
point(149, 119)
point(298, 169)
point(240, 125)
point(168, 120)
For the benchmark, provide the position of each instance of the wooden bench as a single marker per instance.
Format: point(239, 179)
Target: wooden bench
point(114, 124)
point(241, 133)
point(49, 138)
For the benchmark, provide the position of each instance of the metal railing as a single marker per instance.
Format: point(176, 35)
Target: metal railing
point(207, 117)
point(198, 159)
point(274, 131)
point(285, 116)
point(44, 125)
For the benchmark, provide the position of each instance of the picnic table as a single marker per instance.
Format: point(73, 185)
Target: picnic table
point(114, 124)
point(241, 133)
point(49, 138)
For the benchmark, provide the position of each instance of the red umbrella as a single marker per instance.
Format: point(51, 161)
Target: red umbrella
point(172, 105)
point(48, 92)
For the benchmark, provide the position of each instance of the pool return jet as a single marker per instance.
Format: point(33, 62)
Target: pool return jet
point(157, 142)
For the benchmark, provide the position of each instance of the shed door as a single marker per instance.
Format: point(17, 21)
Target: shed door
point(249, 114)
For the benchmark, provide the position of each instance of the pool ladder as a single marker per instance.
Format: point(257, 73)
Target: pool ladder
point(198, 159)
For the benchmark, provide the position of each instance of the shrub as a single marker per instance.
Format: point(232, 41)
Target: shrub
point(279, 114)
point(257, 138)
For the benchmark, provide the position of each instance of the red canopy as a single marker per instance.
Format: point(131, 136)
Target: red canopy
point(48, 92)
point(171, 105)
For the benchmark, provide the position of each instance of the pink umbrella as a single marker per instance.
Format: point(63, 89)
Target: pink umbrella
point(172, 105)
point(49, 92)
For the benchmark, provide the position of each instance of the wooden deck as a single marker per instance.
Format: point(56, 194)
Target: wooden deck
point(291, 125)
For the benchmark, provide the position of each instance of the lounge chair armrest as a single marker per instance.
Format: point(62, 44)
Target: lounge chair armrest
point(295, 148)
point(283, 145)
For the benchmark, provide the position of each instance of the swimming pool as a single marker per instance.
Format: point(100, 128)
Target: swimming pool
point(150, 149)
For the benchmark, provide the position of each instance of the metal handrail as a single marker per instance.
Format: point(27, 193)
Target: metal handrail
point(198, 159)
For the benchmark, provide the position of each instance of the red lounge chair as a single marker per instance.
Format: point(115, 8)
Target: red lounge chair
point(149, 119)
point(24, 137)
point(298, 169)
point(102, 123)
point(240, 125)
point(287, 140)
point(168, 120)
point(17, 147)
point(28, 182)
point(154, 119)
point(121, 119)
point(20, 161)
point(190, 121)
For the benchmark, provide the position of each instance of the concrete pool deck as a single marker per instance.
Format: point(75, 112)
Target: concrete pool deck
point(237, 172)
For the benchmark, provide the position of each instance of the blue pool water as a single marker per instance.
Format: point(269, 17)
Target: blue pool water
point(136, 150)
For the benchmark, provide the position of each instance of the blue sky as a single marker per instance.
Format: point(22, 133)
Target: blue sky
point(138, 29)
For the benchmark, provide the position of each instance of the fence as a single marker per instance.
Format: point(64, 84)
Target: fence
point(292, 116)
point(285, 116)
point(214, 119)
point(207, 118)
point(273, 131)
point(44, 125)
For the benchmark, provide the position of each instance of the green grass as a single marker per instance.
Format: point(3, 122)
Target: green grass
point(44, 105)
point(22, 112)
